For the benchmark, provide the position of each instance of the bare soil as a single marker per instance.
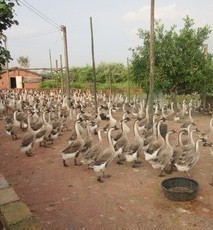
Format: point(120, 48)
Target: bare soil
point(132, 198)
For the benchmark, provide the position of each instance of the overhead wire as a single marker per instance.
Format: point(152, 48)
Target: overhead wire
point(35, 35)
point(39, 13)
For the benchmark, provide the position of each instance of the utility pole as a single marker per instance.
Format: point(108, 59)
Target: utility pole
point(205, 86)
point(151, 74)
point(110, 79)
point(62, 75)
point(93, 64)
point(57, 82)
point(51, 66)
point(63, 29)
point(128, 80)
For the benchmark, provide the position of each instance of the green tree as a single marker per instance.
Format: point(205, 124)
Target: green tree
point(23, 61)
point(179, 59)
point(6, 21)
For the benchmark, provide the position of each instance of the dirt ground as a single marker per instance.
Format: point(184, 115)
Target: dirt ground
point(71, 198)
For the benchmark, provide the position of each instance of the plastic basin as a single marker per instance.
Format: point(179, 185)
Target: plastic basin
point(180, 188)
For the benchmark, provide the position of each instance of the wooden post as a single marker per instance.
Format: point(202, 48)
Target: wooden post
point(63, 29)
point(151, 75)
point(50, 57)
point(204, 93)
point(128, 80)
point(57, 83)
point(110, 79)
point(93, 64)
point(62, 75)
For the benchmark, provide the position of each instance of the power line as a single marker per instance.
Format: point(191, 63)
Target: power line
point(38, 13)
point(36, 35)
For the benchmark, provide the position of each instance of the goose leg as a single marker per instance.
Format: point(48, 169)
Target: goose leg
point(161, 173)
point(119, 162)
point(135, 165)
point(137, 162)
point(76, 163)
point(211, 182)
point(29, 153)
point(169, 171)
point(64, 163)
point(99, 179)
point(188, 175)
point(106, 175)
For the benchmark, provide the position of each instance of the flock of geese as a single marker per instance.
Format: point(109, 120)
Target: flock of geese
point(130, 138)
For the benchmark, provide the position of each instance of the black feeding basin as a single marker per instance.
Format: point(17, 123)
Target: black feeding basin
point(180, 188)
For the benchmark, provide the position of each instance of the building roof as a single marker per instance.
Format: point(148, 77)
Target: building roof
point(22, 69)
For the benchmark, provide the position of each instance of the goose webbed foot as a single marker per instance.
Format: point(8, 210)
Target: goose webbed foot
point(138, 162)
point(135, 165)
point(99, 179)
point(119, 162)
point(188, 175)
point(65, 164)
point(29, 154)
point(106, 175)
point(168, 171)
point(173, 168)
point(211, 182)
point(161, 173)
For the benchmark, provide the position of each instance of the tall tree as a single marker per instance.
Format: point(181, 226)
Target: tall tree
point(23, 61)
point(6, 21)
point(179, 58)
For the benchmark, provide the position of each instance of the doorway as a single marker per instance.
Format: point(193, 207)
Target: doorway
point(13, 82)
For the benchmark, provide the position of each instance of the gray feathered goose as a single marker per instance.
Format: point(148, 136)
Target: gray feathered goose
point(163, 156)
point(74, 149)
point(105, 158)
point(92, 154)
point(133, 149)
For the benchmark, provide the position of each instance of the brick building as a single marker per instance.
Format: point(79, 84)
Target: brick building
point(19, 79)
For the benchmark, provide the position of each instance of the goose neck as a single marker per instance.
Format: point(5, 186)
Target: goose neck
point(99, 136)
point(190, 114)
point(136, 134)
point(167, 139)
point(125, 128)
point(197, 149)
point(77, 130)
point(109, 138)
point(191, 137)
point(180, 142)
point(158, 131)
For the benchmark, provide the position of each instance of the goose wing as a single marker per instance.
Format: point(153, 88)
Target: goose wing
point(28, 139)
point(102, 159)
point(72, 148)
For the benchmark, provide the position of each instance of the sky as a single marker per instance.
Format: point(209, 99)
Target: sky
point(115, 26)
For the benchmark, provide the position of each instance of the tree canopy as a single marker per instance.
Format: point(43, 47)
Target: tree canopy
point(24, 61)
point(181, 62)
point(6, 21)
